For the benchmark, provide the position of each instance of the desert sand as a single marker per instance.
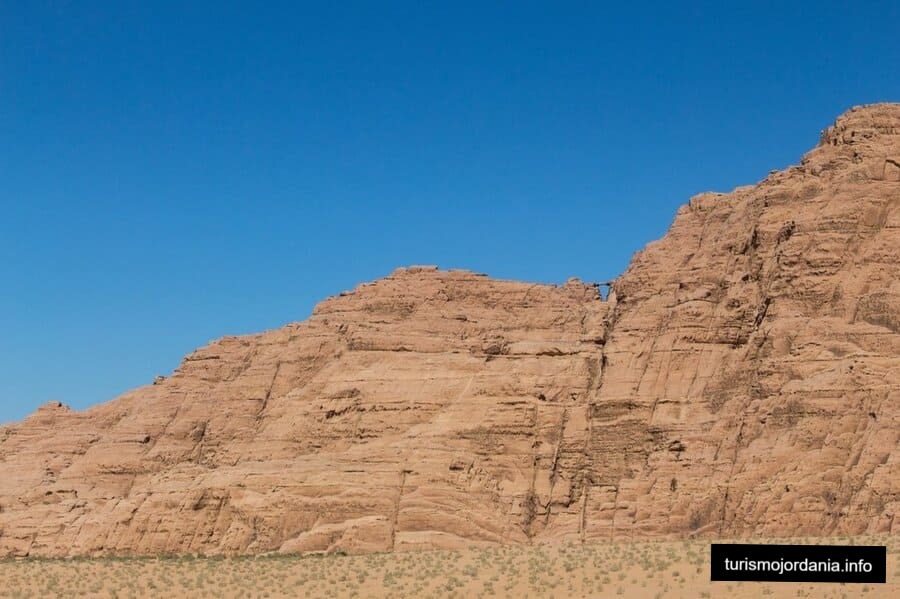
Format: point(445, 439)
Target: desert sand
point(644, 570)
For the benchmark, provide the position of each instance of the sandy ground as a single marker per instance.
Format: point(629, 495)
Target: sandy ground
point(614, 569)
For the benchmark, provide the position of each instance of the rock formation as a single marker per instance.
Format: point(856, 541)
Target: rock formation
point(742, 378)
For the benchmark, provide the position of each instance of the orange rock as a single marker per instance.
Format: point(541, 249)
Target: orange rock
point(742, 378)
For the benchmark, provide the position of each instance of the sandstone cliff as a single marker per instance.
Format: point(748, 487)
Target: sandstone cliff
point(742, 378)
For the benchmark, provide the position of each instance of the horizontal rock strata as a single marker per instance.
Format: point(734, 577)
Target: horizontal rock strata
point(741, 378)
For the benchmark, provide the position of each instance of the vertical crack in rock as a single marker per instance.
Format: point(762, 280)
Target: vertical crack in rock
point(761, 312)
point(582, 519)
point(198, 434)
point(529, 506)
point(395, 516)
point(268, 395)
point(554, 464)
point(596, 371)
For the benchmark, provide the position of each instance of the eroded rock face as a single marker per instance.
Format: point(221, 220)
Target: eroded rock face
point(743, 377)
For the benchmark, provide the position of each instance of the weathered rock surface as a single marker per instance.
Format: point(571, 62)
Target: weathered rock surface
point(742, 378)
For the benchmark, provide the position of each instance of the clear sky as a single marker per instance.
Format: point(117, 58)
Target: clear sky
point(170, 174)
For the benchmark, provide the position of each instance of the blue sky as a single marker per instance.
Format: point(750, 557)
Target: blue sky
point(173, 174)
